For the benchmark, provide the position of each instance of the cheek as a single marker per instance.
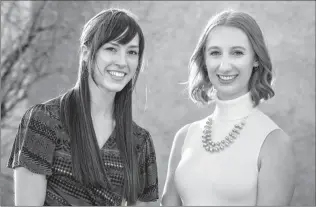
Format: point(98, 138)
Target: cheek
point(133, 63)
point(211, 64)
point(244, 67)
point(103, 59)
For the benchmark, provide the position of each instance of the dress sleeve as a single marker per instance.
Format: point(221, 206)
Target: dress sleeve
point(148, 172)
point(34, 144)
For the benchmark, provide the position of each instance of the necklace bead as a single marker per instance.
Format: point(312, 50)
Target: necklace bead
point(211, 146)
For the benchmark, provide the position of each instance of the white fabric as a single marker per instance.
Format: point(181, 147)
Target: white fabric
point(228, 177)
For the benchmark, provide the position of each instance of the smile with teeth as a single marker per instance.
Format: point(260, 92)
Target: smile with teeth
point(227, 77)
point(117, 74)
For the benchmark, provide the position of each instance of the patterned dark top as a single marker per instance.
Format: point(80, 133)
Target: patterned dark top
point(42, 146)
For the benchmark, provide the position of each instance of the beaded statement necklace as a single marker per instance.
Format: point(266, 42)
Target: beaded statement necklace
point(211, 146)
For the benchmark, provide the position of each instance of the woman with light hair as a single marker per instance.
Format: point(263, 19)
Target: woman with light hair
point(237, 155)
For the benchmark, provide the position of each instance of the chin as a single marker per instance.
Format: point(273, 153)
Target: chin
point(115, 87)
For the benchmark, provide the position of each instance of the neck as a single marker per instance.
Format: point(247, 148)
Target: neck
point(102, 101)
point(234, 109)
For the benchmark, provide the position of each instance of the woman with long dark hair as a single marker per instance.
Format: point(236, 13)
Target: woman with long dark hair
point(83, 148)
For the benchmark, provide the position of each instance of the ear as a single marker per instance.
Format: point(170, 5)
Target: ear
point(255, 63)
point(85, 53)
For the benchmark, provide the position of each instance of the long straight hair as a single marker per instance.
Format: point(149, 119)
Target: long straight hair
point(87, 165)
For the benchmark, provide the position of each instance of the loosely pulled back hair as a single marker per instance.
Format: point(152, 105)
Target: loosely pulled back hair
point(108, 25)
point(260, 83)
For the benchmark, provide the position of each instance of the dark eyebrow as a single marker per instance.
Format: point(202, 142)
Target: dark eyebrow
point(117, 45)
point(134, 46)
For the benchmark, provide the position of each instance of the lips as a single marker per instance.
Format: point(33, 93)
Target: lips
point(117, 73)
point(226, 78)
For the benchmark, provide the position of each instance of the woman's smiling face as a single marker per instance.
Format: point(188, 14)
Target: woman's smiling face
point(116, 64)
point(229, 59)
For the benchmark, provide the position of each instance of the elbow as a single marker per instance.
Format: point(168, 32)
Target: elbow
point(162, 200)
point(169, 201)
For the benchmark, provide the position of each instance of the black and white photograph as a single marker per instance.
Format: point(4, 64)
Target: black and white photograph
point(157, 103)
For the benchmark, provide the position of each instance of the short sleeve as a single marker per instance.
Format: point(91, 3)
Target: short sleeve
point(34, 144)
point(148, 172)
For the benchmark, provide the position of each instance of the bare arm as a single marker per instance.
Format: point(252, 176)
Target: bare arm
point(30, 188)
point(170, 196)
point(276, 182)
point(140, 203)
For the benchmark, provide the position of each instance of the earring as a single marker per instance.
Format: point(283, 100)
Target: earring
point(256, 65)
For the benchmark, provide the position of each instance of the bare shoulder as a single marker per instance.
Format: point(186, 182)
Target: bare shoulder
point(278, 139)
point(182, 132)
point(180, 137)
point(277, 169)
point(277, 145)
point(178, 141)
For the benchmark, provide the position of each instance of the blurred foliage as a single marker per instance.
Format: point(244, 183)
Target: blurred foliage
point(161, 103)
point(28, 40)
point(29, 35)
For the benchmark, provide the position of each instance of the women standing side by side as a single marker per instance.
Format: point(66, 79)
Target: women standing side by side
point(83, 148)
point(236, 155)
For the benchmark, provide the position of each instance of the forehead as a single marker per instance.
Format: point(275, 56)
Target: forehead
point(122, 38)
point(226, 36)
point(134, 41)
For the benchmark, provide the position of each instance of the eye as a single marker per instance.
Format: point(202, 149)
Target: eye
point(111, 49)
point(238, 53)
point(214, 53)
point(133, 52)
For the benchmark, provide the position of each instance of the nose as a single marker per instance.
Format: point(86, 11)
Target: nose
point(225, 64)
point(121, 59)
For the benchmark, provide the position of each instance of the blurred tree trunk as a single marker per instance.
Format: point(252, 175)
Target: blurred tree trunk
point(30, 32)
point(28, 40)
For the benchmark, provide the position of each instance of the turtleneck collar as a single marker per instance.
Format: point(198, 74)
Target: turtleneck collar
point(233, 109)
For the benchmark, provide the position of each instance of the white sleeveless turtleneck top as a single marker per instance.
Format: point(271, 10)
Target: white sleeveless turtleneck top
point(228, 177)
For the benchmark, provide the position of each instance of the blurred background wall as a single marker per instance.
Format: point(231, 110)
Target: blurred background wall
point(161, 104)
